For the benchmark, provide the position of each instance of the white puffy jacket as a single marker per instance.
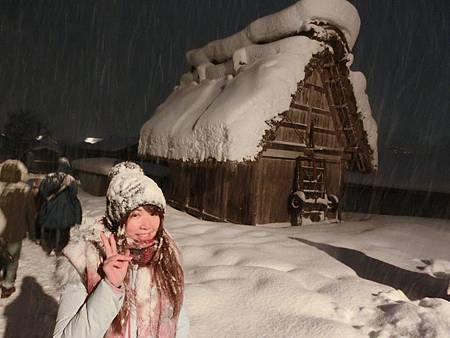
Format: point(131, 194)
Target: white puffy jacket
point(84, 316)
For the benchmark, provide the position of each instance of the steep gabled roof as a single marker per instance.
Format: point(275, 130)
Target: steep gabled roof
point(221, 110)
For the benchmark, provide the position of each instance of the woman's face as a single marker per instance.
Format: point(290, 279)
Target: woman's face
point(141, 226)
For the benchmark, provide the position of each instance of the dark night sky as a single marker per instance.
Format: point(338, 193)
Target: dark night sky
point(96, 68)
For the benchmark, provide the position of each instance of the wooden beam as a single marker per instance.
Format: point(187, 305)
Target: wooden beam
point(328, 150)
point(301, 107)
point(292, 155)
point(316, 87)
point(324, 131)
point(315, 110)
point(303, 126)
point(281, 154)
point(295, 125)
point(298, 147)
point(339, 106)
point(287, 146)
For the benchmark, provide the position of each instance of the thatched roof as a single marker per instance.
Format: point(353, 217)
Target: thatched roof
point(221, 110)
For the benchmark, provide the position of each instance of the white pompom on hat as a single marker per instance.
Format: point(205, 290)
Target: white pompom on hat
point(125, 167)
point(129, 191)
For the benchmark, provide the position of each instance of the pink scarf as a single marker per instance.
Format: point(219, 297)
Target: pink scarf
point(153, 310)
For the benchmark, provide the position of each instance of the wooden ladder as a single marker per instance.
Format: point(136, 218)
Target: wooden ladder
point(311, 180)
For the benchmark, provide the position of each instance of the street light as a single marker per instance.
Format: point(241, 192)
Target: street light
point(92, 140)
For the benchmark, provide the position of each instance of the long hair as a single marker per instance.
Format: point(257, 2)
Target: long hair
point(166, 263)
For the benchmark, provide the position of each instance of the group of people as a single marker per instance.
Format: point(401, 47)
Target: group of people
point(45, 212)
point(120, 276)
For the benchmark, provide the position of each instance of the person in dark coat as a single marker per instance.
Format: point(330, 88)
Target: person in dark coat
point(61, 208)
point(18, 211)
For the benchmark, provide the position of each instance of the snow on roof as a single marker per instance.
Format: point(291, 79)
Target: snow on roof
point(221, 111)
point(358, 81)
point(95, 165)
point(212, 118)
point(287, 22)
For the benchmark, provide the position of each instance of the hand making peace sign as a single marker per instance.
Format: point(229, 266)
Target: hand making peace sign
point(115, 265)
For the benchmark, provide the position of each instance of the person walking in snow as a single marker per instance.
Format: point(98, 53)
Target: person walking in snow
point(60, 209)
point(17, 206)
point(122, 276)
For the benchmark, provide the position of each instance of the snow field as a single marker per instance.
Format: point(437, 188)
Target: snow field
point(244, 281)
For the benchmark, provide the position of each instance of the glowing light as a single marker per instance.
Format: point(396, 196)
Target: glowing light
point(92, 140)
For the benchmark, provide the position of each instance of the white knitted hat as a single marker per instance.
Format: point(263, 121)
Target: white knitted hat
point(129, 191)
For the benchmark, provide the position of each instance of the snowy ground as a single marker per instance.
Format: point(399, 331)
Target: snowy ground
point(279, 281)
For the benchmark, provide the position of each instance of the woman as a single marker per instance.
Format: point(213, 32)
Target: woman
point(123, 277)
point(60, 208)
point(17, 205)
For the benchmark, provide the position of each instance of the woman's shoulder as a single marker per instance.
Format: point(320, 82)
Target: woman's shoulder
point(89, 231)
point(66, 273)
point(84, 241)
point(69, 181)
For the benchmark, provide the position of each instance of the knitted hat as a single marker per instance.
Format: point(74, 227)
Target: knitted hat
point(125, 167)
point(128, 192)
point(13, 171)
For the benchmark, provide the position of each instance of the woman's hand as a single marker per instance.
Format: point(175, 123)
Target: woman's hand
point(115, 265)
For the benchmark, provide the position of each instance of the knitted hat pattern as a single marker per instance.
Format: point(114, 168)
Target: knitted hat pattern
point(128, 191)
point(13, 171)
point(125, 167)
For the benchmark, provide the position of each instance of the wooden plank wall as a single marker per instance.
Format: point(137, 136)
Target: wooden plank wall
point(309, 114)
point(213, 190)
point(179, 183)
point(241, 193)
point(274, 183)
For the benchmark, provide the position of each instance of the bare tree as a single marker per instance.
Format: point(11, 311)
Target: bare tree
point(21, 131)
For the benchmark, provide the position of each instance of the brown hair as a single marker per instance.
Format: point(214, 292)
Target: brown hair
point(166, 263)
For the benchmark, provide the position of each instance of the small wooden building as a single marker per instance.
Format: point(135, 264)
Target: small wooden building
point(42, 157)
point(297, 173)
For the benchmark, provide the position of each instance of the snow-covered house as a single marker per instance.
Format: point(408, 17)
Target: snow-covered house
point(268, 119)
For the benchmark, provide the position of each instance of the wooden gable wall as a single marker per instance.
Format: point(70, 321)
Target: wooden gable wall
point(310, 127)
point(321, 120)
